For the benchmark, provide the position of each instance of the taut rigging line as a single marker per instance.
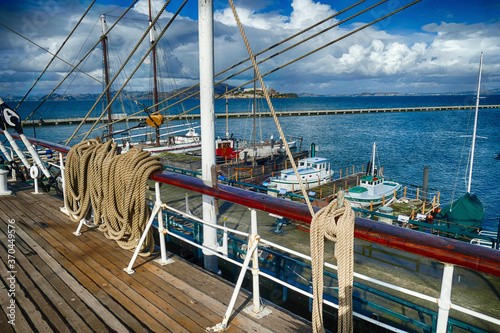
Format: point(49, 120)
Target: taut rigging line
point(78, 64)
point(53, 57)
point(265, 74)
point(287, 49)
point(135, 69)
point(116, 75)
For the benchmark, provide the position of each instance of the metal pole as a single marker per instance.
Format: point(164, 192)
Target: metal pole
point(129, 269)
point(425, 184)
point(239, 283)
point(444, 301)
point(5, 152)
point(207, 119)
point(255, 262)
point(163, 260)
point(104, 29)
point(35, 156)
point(18, 151)
point(475, 124)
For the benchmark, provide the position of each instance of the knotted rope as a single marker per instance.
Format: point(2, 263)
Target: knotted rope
point(323, 225)
point(114, 186)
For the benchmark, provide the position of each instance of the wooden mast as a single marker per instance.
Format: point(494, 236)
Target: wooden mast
point(106, 72)
point(155, 82)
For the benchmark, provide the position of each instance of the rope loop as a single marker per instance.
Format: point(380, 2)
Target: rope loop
point(323, 226)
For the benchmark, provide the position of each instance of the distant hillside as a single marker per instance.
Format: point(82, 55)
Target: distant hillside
point(180, 93)
point(220, 89)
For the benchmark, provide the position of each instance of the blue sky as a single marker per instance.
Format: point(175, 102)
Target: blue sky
point(433, 46)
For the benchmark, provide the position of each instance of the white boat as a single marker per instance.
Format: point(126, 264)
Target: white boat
point(313, 171)
point(372, 190)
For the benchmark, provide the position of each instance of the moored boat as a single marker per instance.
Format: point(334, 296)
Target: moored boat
point(313, 171)
point(467, 212)
point(373, 189)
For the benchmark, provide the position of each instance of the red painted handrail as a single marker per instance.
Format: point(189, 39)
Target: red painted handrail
point(431, 246)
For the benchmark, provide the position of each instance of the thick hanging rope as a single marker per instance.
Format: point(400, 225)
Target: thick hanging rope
point(323, 225)
point(112, 185)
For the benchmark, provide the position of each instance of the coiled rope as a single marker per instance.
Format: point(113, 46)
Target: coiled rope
point(323, 225)
point(114, 186)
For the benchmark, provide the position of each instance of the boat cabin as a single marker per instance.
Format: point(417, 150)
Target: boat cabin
point(371, 180)
point(315, 163)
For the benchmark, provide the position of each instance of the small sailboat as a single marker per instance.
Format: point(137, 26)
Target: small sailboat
point(373, 190)
point(467, 212)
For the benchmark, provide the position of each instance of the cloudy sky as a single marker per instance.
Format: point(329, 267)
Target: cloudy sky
point(432, 46)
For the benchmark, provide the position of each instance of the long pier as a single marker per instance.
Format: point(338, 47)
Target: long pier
point(90, 120)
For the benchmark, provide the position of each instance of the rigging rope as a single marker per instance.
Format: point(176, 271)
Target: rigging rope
point(251, 81)
point(55, 55)
point(323, 223)
point(114, 186)
point(73, 68)
point(133, 72)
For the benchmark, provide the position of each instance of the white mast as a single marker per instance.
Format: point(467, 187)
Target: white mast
point(373, 158)
point(475, 124)
point(207, 119)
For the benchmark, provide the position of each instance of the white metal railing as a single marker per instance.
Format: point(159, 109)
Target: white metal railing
point(444, 301)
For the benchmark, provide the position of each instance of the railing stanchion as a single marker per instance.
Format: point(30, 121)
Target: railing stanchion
point(129, 269)
point(161, 232)
point(63, 209)
point(255, 263)
point(444, 301)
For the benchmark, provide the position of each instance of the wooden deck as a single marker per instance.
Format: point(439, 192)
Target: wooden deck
point(65, 283)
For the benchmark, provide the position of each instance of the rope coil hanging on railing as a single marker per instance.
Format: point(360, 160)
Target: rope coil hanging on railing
point(114, 186)
point(323, 226)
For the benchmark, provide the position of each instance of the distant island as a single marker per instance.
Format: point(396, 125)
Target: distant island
point(221, 89)
point(180, 93)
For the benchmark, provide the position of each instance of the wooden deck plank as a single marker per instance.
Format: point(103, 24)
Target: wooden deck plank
point(50, 284)
point(154, 285)
point(85, 263)
point(69, 280)
point(140, 294)
point(20, 322)
point(89, 269)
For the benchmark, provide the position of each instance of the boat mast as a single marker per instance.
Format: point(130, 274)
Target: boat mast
point(373, 158)
point(475, 123)
point(207, 120)
point(104, 40)
point(254, 118)
point(227, 117)
point(152, 38)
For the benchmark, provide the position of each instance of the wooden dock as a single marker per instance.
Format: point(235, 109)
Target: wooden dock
point(65, 283)
point(328, 190)
point(91, 120)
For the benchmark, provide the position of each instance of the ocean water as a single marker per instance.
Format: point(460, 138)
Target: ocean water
point(406, 142)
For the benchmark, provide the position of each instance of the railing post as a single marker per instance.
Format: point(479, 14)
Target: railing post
point(129, 269)
point(63, 209)
point(444, 301)
point(161, 232)
point(186, 198)
point(255, 263)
